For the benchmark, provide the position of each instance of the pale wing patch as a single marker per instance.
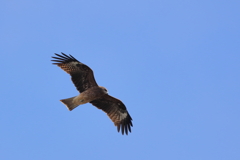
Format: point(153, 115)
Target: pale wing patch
point(122, 116)
point(118, 117)
point(75, 63)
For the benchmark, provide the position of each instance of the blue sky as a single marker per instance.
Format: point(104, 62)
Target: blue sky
point(174, 64)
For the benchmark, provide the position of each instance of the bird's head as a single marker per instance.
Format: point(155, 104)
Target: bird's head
point(104, 89)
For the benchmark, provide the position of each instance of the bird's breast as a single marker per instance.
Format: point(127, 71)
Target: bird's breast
point(91, 94)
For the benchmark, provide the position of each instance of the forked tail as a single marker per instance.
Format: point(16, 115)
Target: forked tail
point(69, 103)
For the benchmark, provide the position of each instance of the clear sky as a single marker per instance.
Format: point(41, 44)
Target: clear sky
point(175, 65)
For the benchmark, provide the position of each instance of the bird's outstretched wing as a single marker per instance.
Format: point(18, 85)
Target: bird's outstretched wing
point(81, 75)
point(116, 111)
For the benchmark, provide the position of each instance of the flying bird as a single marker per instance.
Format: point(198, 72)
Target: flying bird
point(84, 81)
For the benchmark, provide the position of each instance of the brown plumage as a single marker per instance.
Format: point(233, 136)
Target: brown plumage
point(83, 79)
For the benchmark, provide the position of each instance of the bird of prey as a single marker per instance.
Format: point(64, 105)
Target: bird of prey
point(84, 81)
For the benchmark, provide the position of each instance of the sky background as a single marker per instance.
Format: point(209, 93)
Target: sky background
point(175, 65)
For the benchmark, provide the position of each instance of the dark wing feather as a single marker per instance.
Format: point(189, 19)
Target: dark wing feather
point(116, 111)
point(81, 74)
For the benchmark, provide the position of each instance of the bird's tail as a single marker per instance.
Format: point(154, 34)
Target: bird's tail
point(69, 103)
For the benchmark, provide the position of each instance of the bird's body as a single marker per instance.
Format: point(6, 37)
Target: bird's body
point(87, 96)
point(90, 92)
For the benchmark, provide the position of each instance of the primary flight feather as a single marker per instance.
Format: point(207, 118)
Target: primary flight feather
point(83, 79)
